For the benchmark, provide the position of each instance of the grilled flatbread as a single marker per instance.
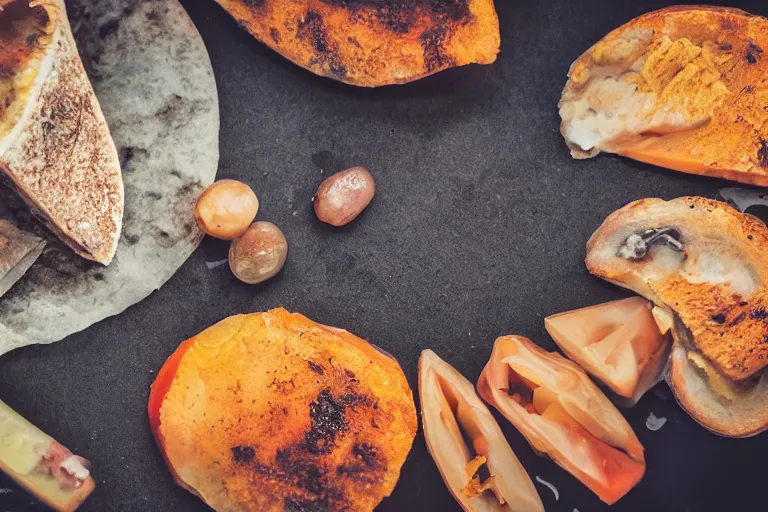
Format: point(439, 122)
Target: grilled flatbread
point(683, 88)
point(169, 148)
point(55, 146)
point(18, 251)
point(373, 43)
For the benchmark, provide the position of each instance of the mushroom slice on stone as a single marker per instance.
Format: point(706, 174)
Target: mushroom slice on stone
point(620, 342)
point(564, 415)
point(706, 265)
point(474, 458)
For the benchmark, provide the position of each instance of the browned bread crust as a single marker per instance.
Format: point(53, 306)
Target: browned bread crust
point(373, 43)
point(729, 328)
point(60, 156)
point(707, 264)
point(710, 63)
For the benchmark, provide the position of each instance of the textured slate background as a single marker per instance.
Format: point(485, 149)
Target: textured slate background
point(477, 230)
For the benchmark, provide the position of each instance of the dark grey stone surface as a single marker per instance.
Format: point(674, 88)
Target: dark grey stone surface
point(477, 230)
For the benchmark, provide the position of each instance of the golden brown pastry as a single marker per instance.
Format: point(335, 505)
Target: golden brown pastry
point(272, 411)
point(683, 88)
point(373, 43)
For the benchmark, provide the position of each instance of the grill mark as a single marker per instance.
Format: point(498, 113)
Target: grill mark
point(311, 28)
point(762, 153)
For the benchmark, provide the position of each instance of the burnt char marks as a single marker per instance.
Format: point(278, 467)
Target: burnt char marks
point(243, 454)
point(754, 53)
point(434, 55)
point(296, 504)
point(328, 416)
point(400, 16)
point(312, 29)
point(364, 464)
point(317, 368)
point(762, 153)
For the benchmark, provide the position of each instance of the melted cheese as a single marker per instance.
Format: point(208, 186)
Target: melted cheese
point(719, 384)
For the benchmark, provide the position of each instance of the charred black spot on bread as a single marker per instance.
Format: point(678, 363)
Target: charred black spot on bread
point(759, 314)
point(274, 34)
point(363, 464)
point(317, 368)
point(726, 47)
point(312, 29)
point(328, 416)
point(719, 318)
point(736, 321)
point(762, 153)
point(432, 44)
point(258, 4)
point(243, 454)
point(297, 504)
point(368, 454)
point(753, 53)
point(399, 16)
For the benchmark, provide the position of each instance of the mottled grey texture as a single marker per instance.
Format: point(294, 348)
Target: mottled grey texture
point(153, 78)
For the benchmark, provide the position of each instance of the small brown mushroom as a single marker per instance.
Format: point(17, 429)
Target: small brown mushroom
point(259, 254)
point(343, 196)
point(226, 209)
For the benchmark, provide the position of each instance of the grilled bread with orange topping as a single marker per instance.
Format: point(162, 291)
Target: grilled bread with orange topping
point(683, 88)
point(371, 44)
point(272, 411)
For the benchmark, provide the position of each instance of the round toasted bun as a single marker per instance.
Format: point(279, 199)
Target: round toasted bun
point(272, 412)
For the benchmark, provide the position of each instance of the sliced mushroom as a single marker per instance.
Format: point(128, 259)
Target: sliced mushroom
point(453, 416)
point(563, 414)
point(18, 251)
point(715, 290)
point(618, 342)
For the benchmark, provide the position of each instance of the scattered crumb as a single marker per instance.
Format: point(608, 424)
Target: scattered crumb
point(215, 264)
point(653, 423)
point(550, 487)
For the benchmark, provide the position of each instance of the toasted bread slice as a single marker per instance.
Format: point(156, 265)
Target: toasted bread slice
point(55, 146)
point(451, 411)
point(563, 414)
point(706, 264)
point(682, 88)
point(618, 342)
point(272, 411)
point(371, 44)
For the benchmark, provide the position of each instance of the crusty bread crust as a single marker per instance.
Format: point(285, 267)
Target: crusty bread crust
point(723, 252)
point(733, 143)
point(745, 416)
point(370, 45)
point(729, 329)
point(60, 155)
